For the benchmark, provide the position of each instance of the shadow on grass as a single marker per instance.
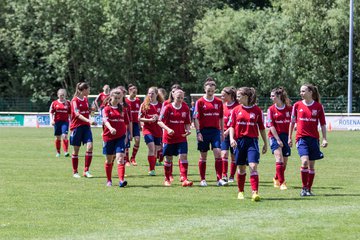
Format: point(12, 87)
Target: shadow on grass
point(288, 199)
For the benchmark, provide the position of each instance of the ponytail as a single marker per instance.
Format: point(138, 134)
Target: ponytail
point(80, 86)
point(315, 92)
point(281, 93)
point(250, 93)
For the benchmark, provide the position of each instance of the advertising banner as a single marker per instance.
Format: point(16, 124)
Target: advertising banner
point(11, 120)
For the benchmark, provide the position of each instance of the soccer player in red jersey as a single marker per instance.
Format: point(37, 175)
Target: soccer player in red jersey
point(80, 128)
point(209, 126)
point(307, 114)
point(228, 95)
point(59, 113)
point(116, 122)
point(174, 87)
point(134, 105)
point(149, 114)
point(245, 122)
point(101, 97)
point(278, 120)
point(129, 134)
point(175, 120)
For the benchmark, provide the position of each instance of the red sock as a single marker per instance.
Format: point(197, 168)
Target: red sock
point(108, 170)
point(121, 171)
point(218, 168)
point(152, 162)
point(241, 181)
point(160, 156)
point(304, 176)
point(65, 145)
point(134, 152)
point(126, 157)
point(88, 158)
point(167, 170)
point(280, 172)
point(183, 165)
point(202, 168)
point(225, 166)
point(311, 177)
point(57, 145)
point(254, 181)
point(75, 163)
point(232, 169)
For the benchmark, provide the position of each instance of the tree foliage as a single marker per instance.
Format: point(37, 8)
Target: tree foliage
point(45, 45)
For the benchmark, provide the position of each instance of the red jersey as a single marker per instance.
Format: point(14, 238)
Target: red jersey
point(307, 118)
point(127, 111)
point(209, 113)
point(79, 106)
point(246, 121)
point(117, 120)
point(61, 110)
point(134, 106)
point(101, 97)
point(227, 112)
point(176, 119)
point(278, 118)
point(151, 127)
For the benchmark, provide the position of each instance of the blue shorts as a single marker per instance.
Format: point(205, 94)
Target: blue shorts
point(309, 146)
point(175, 149)
point(150, 138)
point(61, 127)
point(136, 129)
point(210, 136)
point(81, 135)
point(247, 151)
point(114, 146)
point(286, 150)
point(225, 145)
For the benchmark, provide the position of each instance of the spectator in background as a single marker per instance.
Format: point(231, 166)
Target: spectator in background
point(59, 113)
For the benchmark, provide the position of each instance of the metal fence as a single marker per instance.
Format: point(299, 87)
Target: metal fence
point(331, 104)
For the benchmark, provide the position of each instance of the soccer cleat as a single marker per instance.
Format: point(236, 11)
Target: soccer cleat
point(276, 183)
point(231, 180)
point(167, 183)
point(187, 183)
point(57, 155)
point(221, 183)
point(87, 174)
point(152, 173)
point(203, 183)
point(122, 183)
point(241, 196)
point(283, 186)
point(76, 175)
point(255, 197)
point(133, 162)
point(304, 192)
point(66, 154)
point(225, 179)
point(109, 184)
point(309, 193)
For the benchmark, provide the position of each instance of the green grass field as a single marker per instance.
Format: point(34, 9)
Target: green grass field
point(39, 198)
